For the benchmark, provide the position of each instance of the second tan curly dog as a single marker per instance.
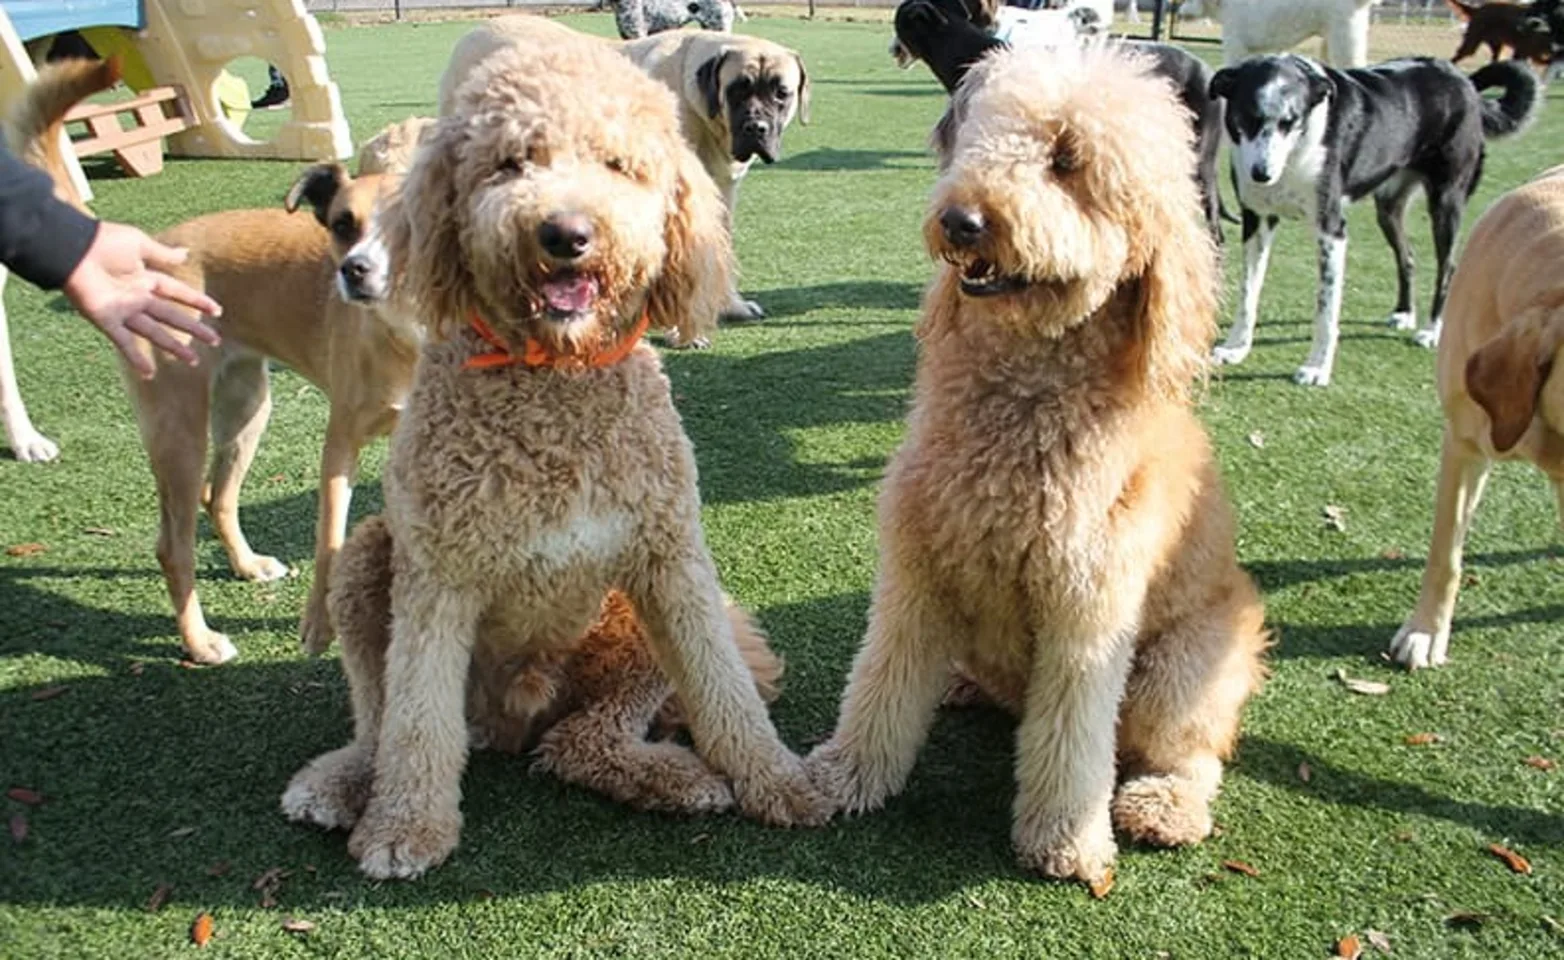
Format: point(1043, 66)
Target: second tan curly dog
point(551, 217)
point(1054, 524)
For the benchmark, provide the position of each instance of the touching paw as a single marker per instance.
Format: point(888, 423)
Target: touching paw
point(401, 845)
point(331, 791)
point(1415, 648)
point(1164, 811)
point(783, 796)
point(1054, 850)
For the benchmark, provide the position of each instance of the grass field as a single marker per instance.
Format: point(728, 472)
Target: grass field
point(156, 775)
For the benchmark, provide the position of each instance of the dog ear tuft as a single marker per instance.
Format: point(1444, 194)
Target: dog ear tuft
point(422, 225)
point(803, 91)
point(317, 186)
point(697, 274)
point(1222, 83)
point(708, 78)
point(1506, 376)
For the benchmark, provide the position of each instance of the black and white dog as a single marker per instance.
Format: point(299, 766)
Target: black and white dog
point(1309, 140)
point(952, 35)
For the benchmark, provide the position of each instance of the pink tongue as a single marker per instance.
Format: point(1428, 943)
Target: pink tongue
point(570, 294)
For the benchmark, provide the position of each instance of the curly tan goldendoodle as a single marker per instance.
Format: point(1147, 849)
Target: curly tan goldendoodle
point(1054, 526)
point(551, 217)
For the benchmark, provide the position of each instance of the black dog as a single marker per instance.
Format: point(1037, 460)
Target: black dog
point(951, 35)
point(1308, 140)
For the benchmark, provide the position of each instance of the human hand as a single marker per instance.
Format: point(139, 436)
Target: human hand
point(122, 288)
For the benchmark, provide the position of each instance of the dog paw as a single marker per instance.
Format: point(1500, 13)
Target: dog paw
point(783, 796)
point(1310, 375)
point(674, 342)
point(260, 568)
point(398, 844)
point(1164, 811)
point(331, 791)
point(211, 648)
point(315, 633)
point(1415, 648)
point(658, 776)
point(1402, 320)
point(742, 311)
point(1427, 338)
point(1055, 850)
point(1229, 356)
point(849, 787)
point(34, 447)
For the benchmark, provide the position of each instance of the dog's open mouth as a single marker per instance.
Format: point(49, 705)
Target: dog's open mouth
point(981, 278)
point(568, 295)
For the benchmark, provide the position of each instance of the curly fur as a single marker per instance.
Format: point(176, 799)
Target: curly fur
point(642, 18)
point(391, 150)
point(1054, 525)
point(518, 497)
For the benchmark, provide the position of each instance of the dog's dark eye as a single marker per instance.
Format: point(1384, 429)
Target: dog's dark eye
point(1065, 160)
point(616, 164)
point(1285, 124)
point(694, 8)
point(345, 229)
point(509, 165)
point(783, 93)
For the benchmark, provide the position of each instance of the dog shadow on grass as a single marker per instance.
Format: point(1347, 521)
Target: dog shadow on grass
point(784, 302)
point(829, 158)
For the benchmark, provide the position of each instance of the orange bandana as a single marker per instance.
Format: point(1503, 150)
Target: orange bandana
point(534, 354)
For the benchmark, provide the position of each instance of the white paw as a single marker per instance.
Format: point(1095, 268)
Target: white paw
point(743, 311)
point(34, 447)
point(1415, 649)
point(1224, 356)
point(674, 342)
point(1428, 338)
point(1310, 375)
point(263, 569)
point(212, 649)
point(1403, 320)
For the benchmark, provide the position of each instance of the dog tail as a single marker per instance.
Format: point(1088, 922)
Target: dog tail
point(1516, 107)
point(33, 128)
point(1461, 10)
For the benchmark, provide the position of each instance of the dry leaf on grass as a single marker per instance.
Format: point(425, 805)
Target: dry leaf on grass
point(18, 827)
point(48, 693)
point(1378, 940)
point(1422, 739)
point(100, 532)
point(159, 897)
point(24, 549)
point(1305, 772)
point(1392, 553)
point(1335, 517)
point(23, 795)
point(137, 668)
point(1238, 866)
point(1514, 860)
point(1349, 947)
point(218, 869)
point(178, 832)
point(293, 925)
point(201, 930)
point(1466, 920)
point(1103, 885)
point(1257, 440)
point(1541, 763)
point(1371, 688)
point(974, 902)
point(1552, 926)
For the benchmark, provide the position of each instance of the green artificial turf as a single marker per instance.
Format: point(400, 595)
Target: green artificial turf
point(153, 774)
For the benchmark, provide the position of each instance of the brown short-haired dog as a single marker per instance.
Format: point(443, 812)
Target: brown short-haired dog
point(1501, 383)
point(553, 215)
point(1054, 524)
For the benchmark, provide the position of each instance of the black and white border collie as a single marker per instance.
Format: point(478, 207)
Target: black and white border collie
point(1308, 140)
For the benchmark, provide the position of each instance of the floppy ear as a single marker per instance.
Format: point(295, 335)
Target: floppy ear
point(803, 91)
point(317, 187)
point(708, 79)
point(982, 12)
point(943, 137)
point(697, 274)
point(422, 228)
point(1222, 83)
point(1506, 376)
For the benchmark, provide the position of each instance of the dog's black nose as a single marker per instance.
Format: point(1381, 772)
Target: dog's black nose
point(963, 226)
point(566, 235)
point(757, 129)
point(354, 269)
point(1259, 174)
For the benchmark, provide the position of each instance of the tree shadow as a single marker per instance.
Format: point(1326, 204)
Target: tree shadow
point(847, 294)
point(827, 158)
point(1275, 763)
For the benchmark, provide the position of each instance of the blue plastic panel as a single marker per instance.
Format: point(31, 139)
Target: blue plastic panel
point(37, 18)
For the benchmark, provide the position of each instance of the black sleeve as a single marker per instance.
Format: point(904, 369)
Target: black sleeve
point(41, 238)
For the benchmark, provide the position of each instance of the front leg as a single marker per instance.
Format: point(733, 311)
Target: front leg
point(27, 444)
point(897, 681)
point(338, 466)
point(687, 624)
point(1327, 314)
point(1259, 234)
point(414, 813)
point(738, 309)
point(1065, 752)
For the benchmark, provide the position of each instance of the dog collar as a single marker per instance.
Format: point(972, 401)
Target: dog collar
point(535, 354)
